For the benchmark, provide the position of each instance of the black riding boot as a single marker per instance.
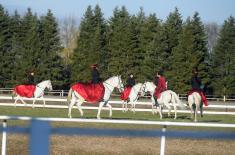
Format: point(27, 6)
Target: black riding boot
point(156, 103)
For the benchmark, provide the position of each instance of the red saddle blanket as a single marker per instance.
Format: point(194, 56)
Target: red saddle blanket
point(125, 94)
point(204, 100)
point(25, 90)
point(90, 92)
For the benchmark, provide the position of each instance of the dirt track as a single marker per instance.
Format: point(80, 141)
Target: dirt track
point(73, 145)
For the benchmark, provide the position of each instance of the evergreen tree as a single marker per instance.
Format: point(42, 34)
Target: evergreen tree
point(16, 48)
point(172, 29)
point(184, 60)
point(223, 60)
point(135, 53)
point(170, 39)
point(49, 64)
point(90, 44)
point(150, 44)
point(190, 53)
point(30, 46)
point(5, 48)
point(200, 49)
point(119, 42)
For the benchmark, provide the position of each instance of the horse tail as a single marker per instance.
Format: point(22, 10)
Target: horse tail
point(177, 99)
point(69, 95)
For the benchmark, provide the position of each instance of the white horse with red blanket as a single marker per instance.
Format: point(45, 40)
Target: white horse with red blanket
point(31, 91)
point(167, 98)
point(196, 99)
point(93, 93)
point(131, 96)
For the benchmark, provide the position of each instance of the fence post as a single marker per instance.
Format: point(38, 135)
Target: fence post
point(4, 137)
point(39, 138)
point(163, 140)
point(62, 93)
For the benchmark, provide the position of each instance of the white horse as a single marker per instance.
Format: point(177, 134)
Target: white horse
point(195, 103)
point(38, 93)
point(133, 97)
point(109, 85)
point(167, 98)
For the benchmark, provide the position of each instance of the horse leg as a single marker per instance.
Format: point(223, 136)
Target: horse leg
point(201, 109)
point(175, 109)
point(153, 103)
point(190, 102)
point(110, 110)
point(159, 109)
point(17, 98)
point(70, 107)
point(44, 102)
point(79, 103)
point(22, 101)
point(34, 100)
point(99, 110)
point(123, 105)
point(169, 108)
point(126, 109)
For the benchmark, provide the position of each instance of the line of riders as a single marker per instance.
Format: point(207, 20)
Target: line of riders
point(159, 81)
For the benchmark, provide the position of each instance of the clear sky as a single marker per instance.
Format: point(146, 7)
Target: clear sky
point(209, 10)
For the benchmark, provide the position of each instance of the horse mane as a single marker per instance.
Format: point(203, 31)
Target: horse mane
point(112, 77)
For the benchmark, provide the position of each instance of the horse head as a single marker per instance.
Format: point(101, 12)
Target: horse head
point(45, 84)
point(147, 87)
point(116, 82)
point(49, 85)
point(119, 85)
point(143, 89)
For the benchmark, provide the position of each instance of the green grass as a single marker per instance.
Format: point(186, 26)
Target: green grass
point(62, 113)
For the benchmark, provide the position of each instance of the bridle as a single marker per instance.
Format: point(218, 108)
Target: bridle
point(119, 84)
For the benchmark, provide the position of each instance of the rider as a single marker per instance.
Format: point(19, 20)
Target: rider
point(130, 81)
point(30, 78)
point(160, 82)
point(197, 86)
point(95, 74)
point(129, 84)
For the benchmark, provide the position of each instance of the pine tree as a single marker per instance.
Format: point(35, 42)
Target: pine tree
point(29, 46)
point(223, 60)
point(118, 42)
point(16, 48)
point(150, 44)
point(190, 53)
point(49, 63)
point(90, 45)
point(170, 39)
point(5, 48)
point(172, 29)
point(200, 49)
point(184, 60)
point(135, 53)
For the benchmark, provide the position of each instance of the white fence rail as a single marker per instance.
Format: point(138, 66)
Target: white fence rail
point(40, 131)
point(222, 109)
point(182, 96)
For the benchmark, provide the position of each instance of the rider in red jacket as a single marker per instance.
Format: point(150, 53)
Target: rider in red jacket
point(160, 82)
